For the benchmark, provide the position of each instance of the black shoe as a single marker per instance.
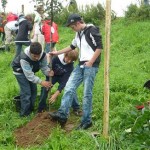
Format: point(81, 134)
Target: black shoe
point(40, 110)
point(84, 126)
point(56, 116)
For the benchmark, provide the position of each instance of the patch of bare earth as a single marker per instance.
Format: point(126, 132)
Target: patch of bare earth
point(37, 130)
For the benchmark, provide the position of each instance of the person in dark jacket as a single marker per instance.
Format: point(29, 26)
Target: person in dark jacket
point(25, 65)
point(22, 38)
point(62, 67)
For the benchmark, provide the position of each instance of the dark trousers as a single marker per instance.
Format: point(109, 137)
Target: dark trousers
point(28, 92)
point(44, 95)
point(3, 36)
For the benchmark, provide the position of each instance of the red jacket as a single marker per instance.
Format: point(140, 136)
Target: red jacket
point(46, 30)
point(11, 17)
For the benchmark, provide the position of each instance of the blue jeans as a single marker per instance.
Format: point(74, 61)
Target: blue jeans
point(28, 92)
point(44, 94)
point(79, 75)
point(48, 47)
point(19, 47)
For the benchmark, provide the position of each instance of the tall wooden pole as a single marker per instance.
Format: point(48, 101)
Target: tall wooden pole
point(51, 46)
point(106, 68)
point(22, 8)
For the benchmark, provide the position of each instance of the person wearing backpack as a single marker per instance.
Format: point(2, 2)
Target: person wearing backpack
point(89, 42)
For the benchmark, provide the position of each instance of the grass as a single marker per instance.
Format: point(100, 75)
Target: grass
point(129, 70)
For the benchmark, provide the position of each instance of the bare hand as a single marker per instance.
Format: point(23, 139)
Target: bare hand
point(51, 73)
point(53, 53)
point(52, 99)
point(88, 64)
point(46, 84)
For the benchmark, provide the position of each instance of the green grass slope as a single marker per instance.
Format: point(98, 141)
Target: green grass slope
point(129, 70)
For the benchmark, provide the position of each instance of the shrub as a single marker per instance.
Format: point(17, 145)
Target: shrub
point(91, 14)
point(94, 14)
point(138, 13)
point(132, 11)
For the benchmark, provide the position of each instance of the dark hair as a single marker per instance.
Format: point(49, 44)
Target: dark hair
point(29, 18)
point(35, 48)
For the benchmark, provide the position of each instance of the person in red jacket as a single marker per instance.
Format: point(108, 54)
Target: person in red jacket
point(50, 34)
point(11, 17)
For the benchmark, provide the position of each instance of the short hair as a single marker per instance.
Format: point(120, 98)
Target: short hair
point(36, 48)
point(73, 55)
point(29, 18)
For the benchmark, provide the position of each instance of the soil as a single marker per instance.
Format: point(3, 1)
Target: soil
point(38, 129)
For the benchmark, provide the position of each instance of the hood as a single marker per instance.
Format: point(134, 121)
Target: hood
point(27, 52)
point(21, 20)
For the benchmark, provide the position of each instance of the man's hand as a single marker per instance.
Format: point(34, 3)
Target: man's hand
point(53, 53)
point(46, 84)
point(88, 64)
point(51, 73)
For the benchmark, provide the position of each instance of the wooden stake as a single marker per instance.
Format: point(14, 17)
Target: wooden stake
point(22, 7)
point(51, 47)
point(106, 68)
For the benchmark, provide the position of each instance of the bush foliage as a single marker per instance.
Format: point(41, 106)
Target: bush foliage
point(138, 13)
point(91, 14)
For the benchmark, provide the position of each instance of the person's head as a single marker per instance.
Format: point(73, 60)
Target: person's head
point(75, 22)
point(70, 56)
point(2, 14)
point(35, 50)
point(40, 9)
point(29, 18)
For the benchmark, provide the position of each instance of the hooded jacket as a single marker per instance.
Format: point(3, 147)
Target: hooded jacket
point(23, 64)
point(87, 41)
point(11, 17)
point(24, 27)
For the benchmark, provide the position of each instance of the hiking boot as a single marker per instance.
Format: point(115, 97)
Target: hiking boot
point(84, 126)
point(56, 116)
point(77, 112)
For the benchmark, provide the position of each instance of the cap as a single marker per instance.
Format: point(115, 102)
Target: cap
point(73, 18)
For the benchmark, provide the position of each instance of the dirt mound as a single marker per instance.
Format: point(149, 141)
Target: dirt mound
point(37, 130)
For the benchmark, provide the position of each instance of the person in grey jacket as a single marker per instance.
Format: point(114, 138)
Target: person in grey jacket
point(25, 65)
